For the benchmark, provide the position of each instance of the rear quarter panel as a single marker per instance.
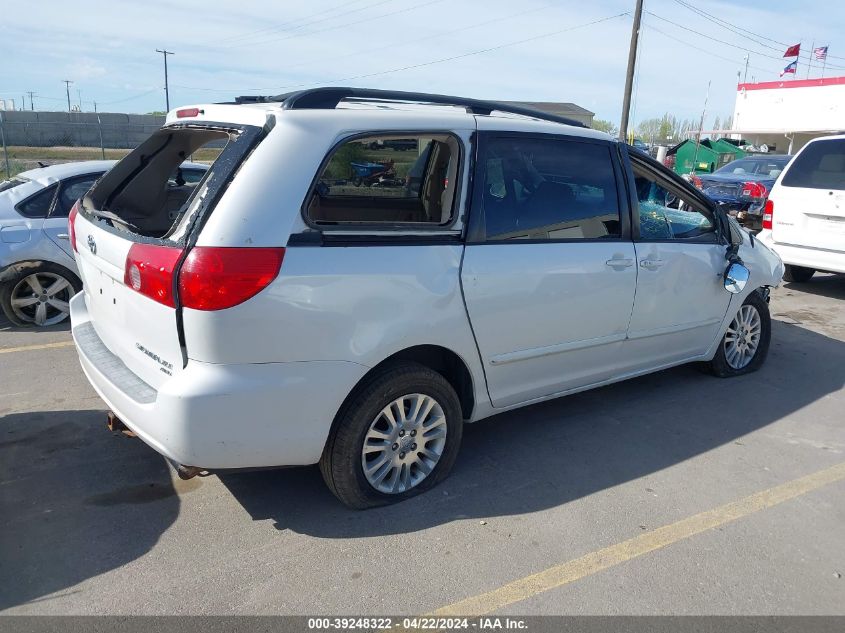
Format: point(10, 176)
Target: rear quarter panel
point(359, 304)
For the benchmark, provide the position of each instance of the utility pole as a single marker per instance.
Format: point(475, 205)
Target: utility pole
point(31, 106)
point(629, 77)
point(166, 87)
point(68, 82)
point(79, 98)
point(745, 77)
point(95, 106)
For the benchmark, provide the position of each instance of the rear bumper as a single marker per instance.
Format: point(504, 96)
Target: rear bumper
point(818, 258)
point(221, 416)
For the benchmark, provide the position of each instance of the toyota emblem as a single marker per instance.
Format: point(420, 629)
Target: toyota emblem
point(92, 245)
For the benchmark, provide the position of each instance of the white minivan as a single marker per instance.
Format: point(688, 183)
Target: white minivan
point(327, 295)
point(804, 217)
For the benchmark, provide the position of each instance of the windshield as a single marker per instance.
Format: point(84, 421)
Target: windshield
point(770, 167)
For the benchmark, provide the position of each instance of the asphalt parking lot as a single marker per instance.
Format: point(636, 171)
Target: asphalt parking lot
point(676, 493)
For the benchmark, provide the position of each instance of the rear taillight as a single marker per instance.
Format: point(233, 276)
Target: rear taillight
point(149, 270)
point(754, 190)
point(768, 214)
point(187, 113)
point(71, 225)
point(211, 278)
point(696, 182)
point(215, 278)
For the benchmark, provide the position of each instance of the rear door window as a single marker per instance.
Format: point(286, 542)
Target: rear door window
point(72, 190)
point(38, 205)
point(549, 189)
point(821, 165)
point(388, 180)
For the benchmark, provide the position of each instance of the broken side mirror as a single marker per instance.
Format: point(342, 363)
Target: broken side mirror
point(736, 276)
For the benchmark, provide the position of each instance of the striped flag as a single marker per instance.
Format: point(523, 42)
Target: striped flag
point(820, 53)
point(792, 67)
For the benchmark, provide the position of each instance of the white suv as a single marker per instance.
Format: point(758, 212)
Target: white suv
point(804, 218)
point(326, 295)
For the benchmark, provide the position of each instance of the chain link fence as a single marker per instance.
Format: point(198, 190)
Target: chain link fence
point(32, 137)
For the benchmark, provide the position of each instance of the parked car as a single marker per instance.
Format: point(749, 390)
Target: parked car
point(641, 145)
point(741, 186)
point(38, 275)
point(804, 217)
point(290, 321)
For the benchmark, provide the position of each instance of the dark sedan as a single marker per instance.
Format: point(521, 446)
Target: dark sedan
point(741, 186)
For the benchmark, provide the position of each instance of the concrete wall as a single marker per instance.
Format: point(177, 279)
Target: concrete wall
point(78, 129)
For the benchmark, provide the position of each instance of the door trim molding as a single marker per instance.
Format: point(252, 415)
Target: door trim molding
point(672, 329)
point(538, 352)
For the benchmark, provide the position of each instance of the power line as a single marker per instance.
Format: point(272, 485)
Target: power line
point(392, 45)
point(280, 27)
point(469, 54)
point(434, 61)
point(138, 96)
point(726, 43)
point(742, 31)
point(339, 26)
point(698, 48)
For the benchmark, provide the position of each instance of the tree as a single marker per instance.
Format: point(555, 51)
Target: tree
point(605, 126)
point(649, 128)
point(717, 123)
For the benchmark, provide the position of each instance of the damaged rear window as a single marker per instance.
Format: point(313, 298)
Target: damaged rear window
point(161, 186)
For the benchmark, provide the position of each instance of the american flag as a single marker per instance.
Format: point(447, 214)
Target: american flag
point(820, 53)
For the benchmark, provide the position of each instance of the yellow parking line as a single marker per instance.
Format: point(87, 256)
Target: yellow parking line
point(597, 561)
point(28, 348)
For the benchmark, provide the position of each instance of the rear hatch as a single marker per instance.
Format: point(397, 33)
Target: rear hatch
point(809, 201)
point(133, 231)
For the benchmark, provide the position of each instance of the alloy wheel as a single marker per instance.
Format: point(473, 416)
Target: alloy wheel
point(743, 337)
point(404, 443)
point(42, 298)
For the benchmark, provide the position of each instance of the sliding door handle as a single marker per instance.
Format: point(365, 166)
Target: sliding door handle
point(620, 263)
point(651, 264)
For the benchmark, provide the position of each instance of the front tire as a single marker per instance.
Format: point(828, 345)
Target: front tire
point(396, 436)
point(797, 274)
point(38, 297)
point(744, 346)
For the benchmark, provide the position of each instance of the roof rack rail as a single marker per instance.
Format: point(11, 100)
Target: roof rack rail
point(329, 97)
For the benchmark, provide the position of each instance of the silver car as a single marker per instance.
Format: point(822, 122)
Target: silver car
point(38, 274)
point(288, 315)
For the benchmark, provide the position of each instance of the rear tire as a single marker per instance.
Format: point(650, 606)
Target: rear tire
point(401, 459)
point(744, 346)
point(797, 274)
point(19, 299)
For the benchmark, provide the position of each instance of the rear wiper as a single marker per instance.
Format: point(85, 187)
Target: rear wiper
point(108, 215)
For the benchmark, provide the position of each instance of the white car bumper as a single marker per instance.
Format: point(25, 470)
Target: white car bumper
point(221, 416)
point(817, 258)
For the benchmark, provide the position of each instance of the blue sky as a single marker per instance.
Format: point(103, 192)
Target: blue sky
point(533, 50)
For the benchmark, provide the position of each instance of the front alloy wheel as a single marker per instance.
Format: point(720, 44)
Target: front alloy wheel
point(743, 337)
point(746, 341)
